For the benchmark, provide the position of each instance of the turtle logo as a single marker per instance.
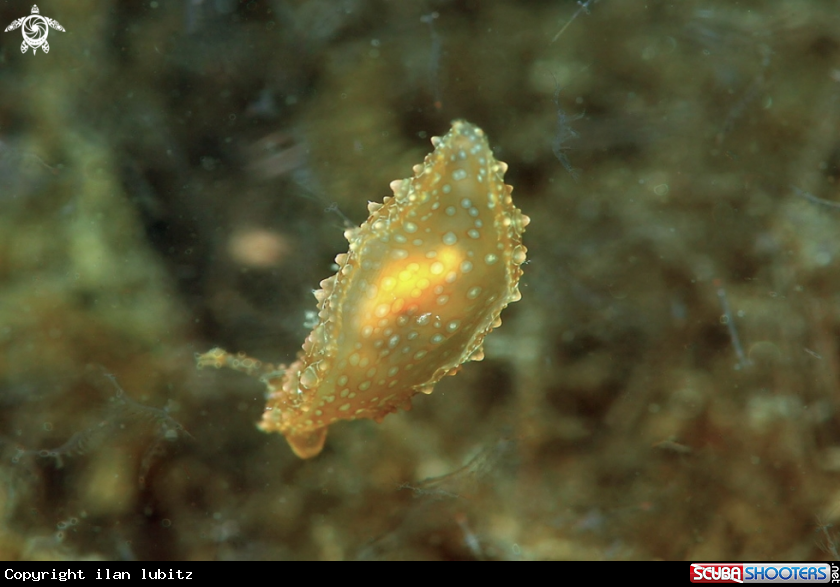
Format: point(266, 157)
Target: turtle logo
point(35, 30)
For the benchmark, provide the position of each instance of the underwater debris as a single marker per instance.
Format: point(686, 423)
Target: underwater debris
point(464, 481)
point(814, 354)
point(453, 509)
point(584, 7)
point(753, 91)
point(80, 444)
point(125, 408)
point(814, 199)
point(274, 155)
point(672, 446)
point(830, 544)
point(258, 248)
point(22, 172)
point(564, 134)
point(308, 193)
point(434, 58)
point(471, 540)
point(425, 280)
point(165, 429)
point(726, 318)
point(121, 413)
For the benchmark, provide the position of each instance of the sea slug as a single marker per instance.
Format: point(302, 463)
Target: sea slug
point(425, 279)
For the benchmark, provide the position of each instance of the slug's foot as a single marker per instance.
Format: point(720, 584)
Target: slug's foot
point(305, 445)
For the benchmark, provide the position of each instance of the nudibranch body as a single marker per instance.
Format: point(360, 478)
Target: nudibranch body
point(425, 280)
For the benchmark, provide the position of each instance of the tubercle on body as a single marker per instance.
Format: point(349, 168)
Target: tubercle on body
point(424, 281)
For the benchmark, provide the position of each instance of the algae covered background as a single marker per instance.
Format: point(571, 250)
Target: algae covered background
point(176, 175)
